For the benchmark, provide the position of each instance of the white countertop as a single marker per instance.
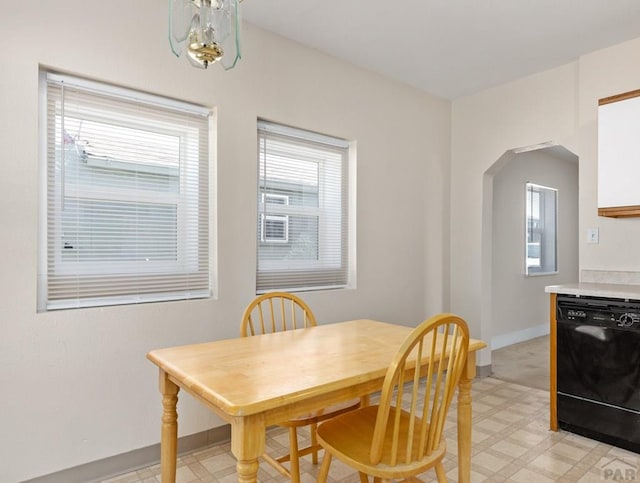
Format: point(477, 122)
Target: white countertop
point(610, 290)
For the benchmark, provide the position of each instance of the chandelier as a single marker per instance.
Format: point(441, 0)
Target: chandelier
point(207, 30)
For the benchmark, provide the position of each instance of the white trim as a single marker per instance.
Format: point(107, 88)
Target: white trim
point(305, 289)
point(301, 134)
point(125, 300)
point(127, 94)
point(530, 188)
point(43, 245)
point(500, 341)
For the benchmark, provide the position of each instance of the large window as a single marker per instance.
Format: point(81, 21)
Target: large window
point(302, 209)
point(541, 236)
point(125, 185)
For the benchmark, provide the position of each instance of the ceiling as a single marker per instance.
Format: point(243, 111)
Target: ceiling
point(451, 48)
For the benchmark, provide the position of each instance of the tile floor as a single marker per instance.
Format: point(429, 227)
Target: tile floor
point(525, 363)
point(511, 443)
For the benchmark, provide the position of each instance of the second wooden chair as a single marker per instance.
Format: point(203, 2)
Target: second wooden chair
point(401, 437)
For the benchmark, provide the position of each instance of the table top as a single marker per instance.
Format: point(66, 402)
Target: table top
point(254, 374)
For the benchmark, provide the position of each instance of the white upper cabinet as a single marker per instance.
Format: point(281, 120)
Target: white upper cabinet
point(619, 155)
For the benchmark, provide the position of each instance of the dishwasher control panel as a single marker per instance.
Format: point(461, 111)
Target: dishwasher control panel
point(573, 314)
point(599, 311)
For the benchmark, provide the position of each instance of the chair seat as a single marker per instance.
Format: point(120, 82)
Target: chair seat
point(322, 414)
point(349, 436)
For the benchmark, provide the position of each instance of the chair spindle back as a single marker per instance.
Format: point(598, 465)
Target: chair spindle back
point(276, 312)
point(422, 380)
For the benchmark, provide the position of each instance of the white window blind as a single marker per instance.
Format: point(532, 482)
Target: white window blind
point(126, 197)
point(302, 210)
point(541, 236)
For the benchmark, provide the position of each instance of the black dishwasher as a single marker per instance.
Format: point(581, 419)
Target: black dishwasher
point(598, 368)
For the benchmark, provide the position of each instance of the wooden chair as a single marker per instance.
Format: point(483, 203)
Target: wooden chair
point(401, 437)
point(280, 311)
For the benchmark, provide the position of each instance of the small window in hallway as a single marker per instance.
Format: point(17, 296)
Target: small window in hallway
point(541, 233)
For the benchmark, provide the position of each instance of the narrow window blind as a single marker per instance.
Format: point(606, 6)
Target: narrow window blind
point(302, 210)
point(541, 232)
point(126, 197)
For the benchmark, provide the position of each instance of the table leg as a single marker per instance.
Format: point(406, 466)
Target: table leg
point(247, 444)
point(169, 441)
point(464, 419)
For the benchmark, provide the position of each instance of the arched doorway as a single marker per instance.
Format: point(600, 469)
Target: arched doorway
point(515, 307)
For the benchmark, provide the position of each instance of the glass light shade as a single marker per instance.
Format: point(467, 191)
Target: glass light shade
point(208, 31)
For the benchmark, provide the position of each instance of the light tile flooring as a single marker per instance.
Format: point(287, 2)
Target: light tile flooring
point(511, 443)
point(525, 363)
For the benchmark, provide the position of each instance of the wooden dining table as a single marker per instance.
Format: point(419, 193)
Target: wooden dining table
point(255, 382)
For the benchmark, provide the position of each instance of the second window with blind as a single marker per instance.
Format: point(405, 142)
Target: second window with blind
point(303, 210)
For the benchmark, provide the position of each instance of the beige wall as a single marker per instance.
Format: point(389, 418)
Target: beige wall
point(76, 384)
point(557, 106)
point(537, 109)
point(519, 303)
point(605, 73)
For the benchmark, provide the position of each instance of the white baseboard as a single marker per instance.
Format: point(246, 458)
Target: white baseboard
point(504, 340)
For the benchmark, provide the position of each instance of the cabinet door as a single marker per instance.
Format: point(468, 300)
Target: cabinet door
point(619, 155)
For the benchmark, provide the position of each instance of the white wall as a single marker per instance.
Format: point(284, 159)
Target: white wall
point(604, 73)
point(76, 384)
point(559, 106)
point(529, 317)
